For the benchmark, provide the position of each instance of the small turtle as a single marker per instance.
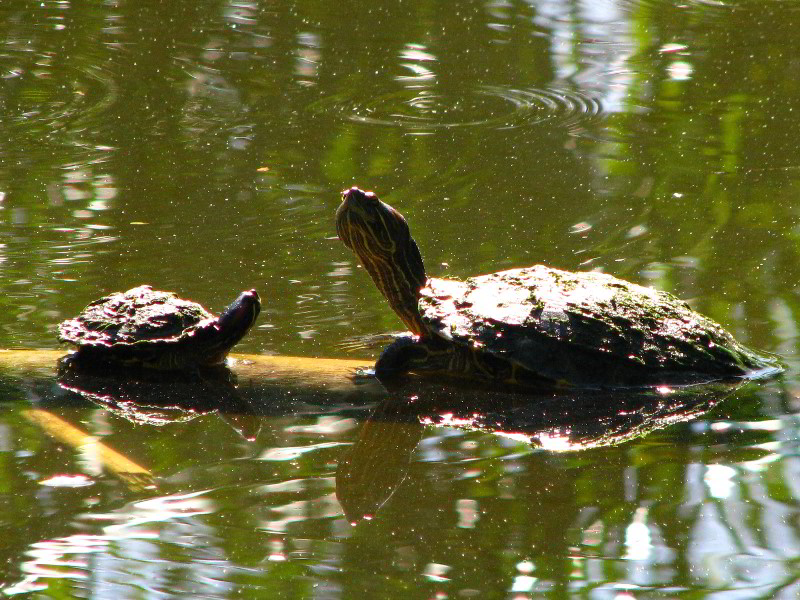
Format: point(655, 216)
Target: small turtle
point(537, 325)
point(157, 330)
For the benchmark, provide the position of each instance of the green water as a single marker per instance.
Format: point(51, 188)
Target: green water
point(201, 146)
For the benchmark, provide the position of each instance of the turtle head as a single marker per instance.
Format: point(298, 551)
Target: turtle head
point(241, 314)
point(380, 237)
point(215, 337)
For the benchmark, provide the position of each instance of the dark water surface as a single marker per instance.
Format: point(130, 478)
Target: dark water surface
point(200, 146)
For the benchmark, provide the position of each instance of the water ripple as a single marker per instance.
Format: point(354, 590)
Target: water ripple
point(51, 98)
point(495, 107)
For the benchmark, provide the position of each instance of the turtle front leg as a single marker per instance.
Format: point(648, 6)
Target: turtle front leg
point(428, 356)
point(413, 353)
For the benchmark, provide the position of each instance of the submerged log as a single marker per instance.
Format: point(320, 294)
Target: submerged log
point(295, 372)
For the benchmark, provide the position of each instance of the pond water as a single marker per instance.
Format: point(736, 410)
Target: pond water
point(200, 147)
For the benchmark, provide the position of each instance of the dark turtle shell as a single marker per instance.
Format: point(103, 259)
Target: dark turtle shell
point(584, 328)
point(139, 315)
point(158, 329)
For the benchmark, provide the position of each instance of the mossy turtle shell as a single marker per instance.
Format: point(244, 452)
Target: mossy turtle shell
point(581, 327)
point(138, 316)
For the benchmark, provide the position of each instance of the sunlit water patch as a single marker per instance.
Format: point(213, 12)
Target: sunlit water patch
point(278, 510)
point(40, 262)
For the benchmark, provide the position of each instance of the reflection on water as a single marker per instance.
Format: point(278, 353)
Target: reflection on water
point(690, 491)
point(200, 147)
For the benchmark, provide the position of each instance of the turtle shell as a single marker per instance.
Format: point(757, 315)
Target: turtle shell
point(139, 316)
point(584, 328)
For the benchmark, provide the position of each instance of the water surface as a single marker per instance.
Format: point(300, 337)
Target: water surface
point(200, 147)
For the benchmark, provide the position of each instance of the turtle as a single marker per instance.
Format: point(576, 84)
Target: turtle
point(534, 326)
point(158, 330)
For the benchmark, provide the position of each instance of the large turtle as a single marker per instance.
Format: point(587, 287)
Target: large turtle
point(157, 330)
point(536, 325)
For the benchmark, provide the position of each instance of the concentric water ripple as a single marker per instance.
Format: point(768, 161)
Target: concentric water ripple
point(487, 106)
point(42, 101)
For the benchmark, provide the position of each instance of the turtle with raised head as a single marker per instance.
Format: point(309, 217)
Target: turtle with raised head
point(534, 326)
point(148, 328)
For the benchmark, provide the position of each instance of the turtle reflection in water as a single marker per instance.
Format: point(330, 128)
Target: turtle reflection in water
point(371, 470)
point(534, 326)
point(148, 328)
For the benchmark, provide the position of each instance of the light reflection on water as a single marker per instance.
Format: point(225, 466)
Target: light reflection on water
point(740, 532)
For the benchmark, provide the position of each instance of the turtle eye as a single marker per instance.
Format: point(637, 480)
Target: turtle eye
point(396, 223)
